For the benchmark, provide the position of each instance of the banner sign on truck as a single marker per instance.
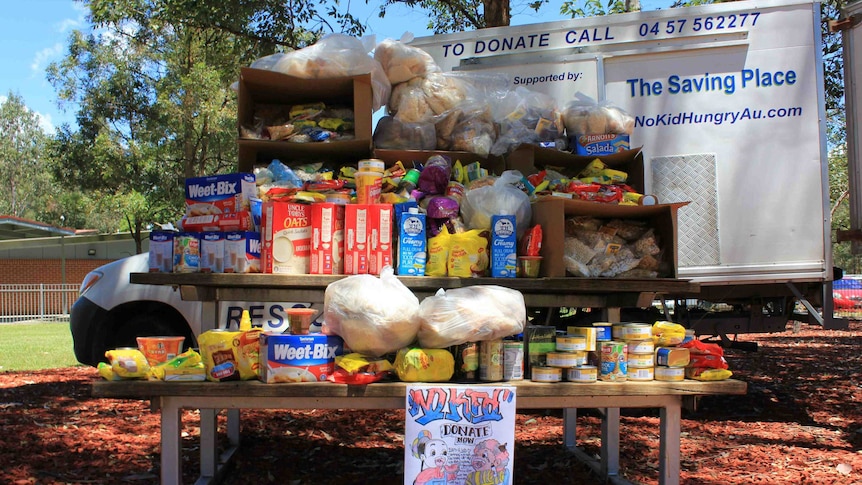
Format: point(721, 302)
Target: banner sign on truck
point(729, 111)
point(459, 435)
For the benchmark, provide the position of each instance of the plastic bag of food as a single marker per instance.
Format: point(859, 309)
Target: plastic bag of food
point(526, 116)
point(424, 365)
point(128, 363)
point(501, 198)
point(470, 314)
point(667, 334)
point(402, 62)
point(584, 116)
point(373, 315)
point(336, 55)
point(394, 134)
point(434, 178)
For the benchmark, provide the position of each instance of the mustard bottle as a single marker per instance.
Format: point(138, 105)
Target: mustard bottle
point(245, 322)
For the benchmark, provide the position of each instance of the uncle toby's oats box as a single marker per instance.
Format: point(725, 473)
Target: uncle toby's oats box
point(285, 237)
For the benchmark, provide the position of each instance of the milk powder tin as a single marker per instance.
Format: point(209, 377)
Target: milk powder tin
point(571, 343)
point(640, 373)
point(603, 331)
point(641, 346)
point(513, 360)
point(547, 374)
point(641, 360)
point(613, 361)
point(671, 374)
point(566, 359)
point(491, 360)
point(582, 373)
point(672, 356)
point(632, 331)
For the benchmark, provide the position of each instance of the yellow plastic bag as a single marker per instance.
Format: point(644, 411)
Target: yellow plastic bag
point(438, 254)
point(707, 374)
point(128, 363)
point(667, 334)
point(468, 254)
point(424, 365)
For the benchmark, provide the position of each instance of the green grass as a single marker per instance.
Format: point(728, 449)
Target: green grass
point(35, 345)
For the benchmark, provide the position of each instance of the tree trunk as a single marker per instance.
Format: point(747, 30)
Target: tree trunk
point(497, 13)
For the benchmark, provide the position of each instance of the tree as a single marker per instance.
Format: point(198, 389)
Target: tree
point(22, 164)
point(153, 90)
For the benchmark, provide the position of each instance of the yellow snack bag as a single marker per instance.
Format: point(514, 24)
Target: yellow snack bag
point(468, 254)
point(667, 334)
point(128, 363)
point(424, 365)
point(438, 254)
point(593, 169)
point(107, 373)
point(706, 374)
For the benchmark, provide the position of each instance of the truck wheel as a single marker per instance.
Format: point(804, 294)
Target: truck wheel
point(148, 324)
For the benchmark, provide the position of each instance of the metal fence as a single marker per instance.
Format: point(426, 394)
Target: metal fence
point(50, 302)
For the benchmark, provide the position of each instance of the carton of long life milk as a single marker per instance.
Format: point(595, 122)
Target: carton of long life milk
point(504, 247)
point(412, 243)
point(327, 238)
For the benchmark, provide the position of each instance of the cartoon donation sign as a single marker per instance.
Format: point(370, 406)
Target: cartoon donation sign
point(459, 435)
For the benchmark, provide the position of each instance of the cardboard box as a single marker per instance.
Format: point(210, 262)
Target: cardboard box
point(242, 252)
point(261, 86)
point(285, 238)
point(381, 224)
point(298, 358)
point(551, 213)
point(327, 238)
point(212, 252)
point(530, 159)
point(219, 194)
point(162, 251)
point(356, 239)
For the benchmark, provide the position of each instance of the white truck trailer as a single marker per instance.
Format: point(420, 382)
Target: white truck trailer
point(729, 110)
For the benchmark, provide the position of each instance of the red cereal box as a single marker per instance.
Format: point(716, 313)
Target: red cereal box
point(356, 238)
point(380, 218)
point(286, 237)
point(327, 238)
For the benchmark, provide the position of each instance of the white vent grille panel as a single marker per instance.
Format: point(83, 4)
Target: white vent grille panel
point(691, 178)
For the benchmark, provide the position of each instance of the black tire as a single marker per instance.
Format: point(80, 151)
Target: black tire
point(152, 320)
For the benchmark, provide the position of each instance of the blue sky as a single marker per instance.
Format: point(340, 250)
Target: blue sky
point(35, 33)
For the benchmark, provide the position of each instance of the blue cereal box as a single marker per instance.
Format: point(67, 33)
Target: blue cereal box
point(504, 247)
point(288, 358)
point(412, 243)
point(161, 251)
point(219, 194)
point(597, 145)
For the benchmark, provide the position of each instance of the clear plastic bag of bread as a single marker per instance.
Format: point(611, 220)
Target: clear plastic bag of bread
point(373, 315)
point(525, 116)
point(426, 97)
point(394, 134)
point(336, 55)
point(470, 314)
point(402, 62)
point(474, 132)
point(502, 198)
point(585, 116)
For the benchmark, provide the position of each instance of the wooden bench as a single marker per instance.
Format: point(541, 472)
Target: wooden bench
point(211, 397)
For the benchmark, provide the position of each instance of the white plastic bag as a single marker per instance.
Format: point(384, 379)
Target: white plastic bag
point(373, 315)
point(470, 314)
point(502, 198)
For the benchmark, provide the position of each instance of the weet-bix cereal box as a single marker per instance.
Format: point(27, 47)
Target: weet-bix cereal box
point(219, 194)
point(242, 252)
point(212, 252)
point(298, 358)
point(161, 251)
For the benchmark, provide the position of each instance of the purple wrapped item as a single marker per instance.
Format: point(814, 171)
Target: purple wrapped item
point(435, 176)
point(440, 207)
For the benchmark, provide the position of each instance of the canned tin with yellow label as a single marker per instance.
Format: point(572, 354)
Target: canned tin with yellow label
point(641, 360)
point(572, 343)
point(669, 374)
point(640, 373)
point(632, 331)
point(547, 374)
point(589, 334)
point(582, 373)
point(566, 359)
point(641, 346)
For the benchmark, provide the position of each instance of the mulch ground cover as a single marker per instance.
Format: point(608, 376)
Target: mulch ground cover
point(800, 423)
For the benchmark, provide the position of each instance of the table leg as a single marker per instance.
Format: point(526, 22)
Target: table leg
point(172, 473)
point(670, 419)
point(233, 426)
point(570, 427)
point(610, 442)
point(209, 442)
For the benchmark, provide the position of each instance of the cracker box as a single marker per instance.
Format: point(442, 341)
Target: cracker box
point(597, 145)
point(356, 238)
point(161, 251)
point(288, 358)
point(212, 252)
point(412, 244)
point(187, 252)
point(380, 217)
point(286, 237)
point(504, 248)
point(219, 194)
point(327, 238)
point(242, 252)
